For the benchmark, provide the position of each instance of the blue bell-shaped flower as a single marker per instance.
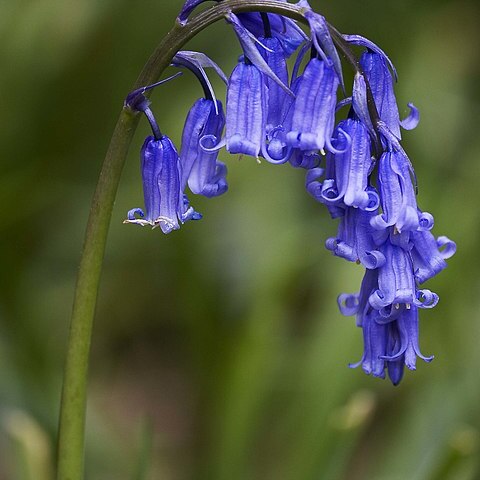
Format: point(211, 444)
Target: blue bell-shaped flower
point(200, 168)
point(165, 203)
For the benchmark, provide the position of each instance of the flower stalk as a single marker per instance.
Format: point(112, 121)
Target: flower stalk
point(71, 435)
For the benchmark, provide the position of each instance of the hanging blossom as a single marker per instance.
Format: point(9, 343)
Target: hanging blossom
point(356, 168)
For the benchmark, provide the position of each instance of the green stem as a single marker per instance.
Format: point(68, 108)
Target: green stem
point(71, 436)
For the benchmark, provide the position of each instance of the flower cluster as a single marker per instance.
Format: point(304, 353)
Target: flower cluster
point(357, 168)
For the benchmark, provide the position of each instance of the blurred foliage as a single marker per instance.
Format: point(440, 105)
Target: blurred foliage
point(225, 334)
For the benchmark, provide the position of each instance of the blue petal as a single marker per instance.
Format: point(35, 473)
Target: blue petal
point(165, 205)
point(365, 42)
point(375, 344)
point(425, 221)
point(446, 247)
point(313, 113)
point(426, 299)
point(285, 30)
point(348, 304)
point(200, 167)
point(396, 283)
point(413, 118)
point(427, 259)
point(323, 41)
point(380, 79)
point(360, 103)
point(245, 129)
point(395, 368)
point(409, 326)
point(354, 164)
point(187, 9)
point(397, 194)
point(247, 42)
point(355, 241)
point(277, 99)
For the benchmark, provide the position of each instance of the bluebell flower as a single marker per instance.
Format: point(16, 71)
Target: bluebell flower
point(406, 345)
point(248, 106)
point(367, 180)
point(290, 35)
point(321, 39)
point(249, 44)
point(429, 254)
point(398, 200)
point(246, 110)
point(277, 98)
point(200, 168)
point(390, 341)
point(355, 240)
point(285, 30)
point(376, 69)
point(348, 170)
point(374, 333)
point(396, 283)
point(165, 203)
point(310, 120)
point(313, 112)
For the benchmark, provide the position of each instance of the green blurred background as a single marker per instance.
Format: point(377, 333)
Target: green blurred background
point(218, 351)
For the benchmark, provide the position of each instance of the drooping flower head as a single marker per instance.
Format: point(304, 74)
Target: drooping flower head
point(278, 99)
point(348, 170)
point(249, 88)
point(390, 338)
point(201, 169)
point(380, 73)
point(203, 128)
point(288, 34)
point(165, 203)
point(313, 112)
point(246, 105)
point(358, 169)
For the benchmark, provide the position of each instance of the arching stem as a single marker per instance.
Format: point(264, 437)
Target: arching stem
point(71, 436)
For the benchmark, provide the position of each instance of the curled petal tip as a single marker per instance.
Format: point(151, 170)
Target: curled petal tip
point(413, 118)
point(348, 304)
point(447, 247)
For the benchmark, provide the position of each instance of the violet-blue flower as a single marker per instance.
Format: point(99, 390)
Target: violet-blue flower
point(349, 168)
point(313, 112)
point(277, 99)
point(367, 180)
point(407, 346)
point(390, 342)
point(374, 334)
point(246, 105)
point(398, 201)
point(429, 254)
point(321, 39)
point(289, 35)
point(165, 203)
point(376, 68)
point(204, 173)
point(355, 239)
